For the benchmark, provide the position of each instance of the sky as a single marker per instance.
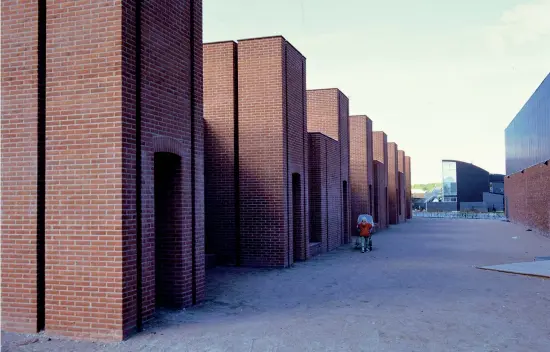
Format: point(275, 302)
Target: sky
point(442, 78)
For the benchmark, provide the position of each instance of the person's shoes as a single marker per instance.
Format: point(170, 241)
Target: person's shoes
point(362, 251)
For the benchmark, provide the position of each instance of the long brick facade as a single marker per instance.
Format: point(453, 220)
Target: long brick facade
point(221, 152)
point(402, 179)
point(261, 113)
point(393, 183)
point(119, 101)
point(325, 202)
point(380, 155)
point(408, 188)
point(361, 165)
point(327, 113)
point(22, 165)
point(116, 184)
point(272, 152)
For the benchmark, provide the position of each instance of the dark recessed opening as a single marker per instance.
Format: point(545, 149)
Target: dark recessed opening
point(41, 170)
point(345, 213)
point(169, 231)
point(297, 225)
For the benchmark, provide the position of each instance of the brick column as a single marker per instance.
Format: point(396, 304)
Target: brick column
point(402, 185)
point(393, 183)
point(380, 142)
point(325, 192)
point(361, 166)
point(221, 152)
point(272, 137)
point(408, 187)
point(21, 163)
point(328, 111)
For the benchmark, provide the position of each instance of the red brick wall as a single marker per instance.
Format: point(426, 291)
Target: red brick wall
point(401, 180)
point(393, 183)
point(272, 146)
point(91, 192)
point(327, 113)
point(345, 165)
point(528, 197)
point(84, 190)
point(402, 186)
point(361, 165)
point(408, 187)
point(297, 147)
point(323, 112)
point(170, 70)
point(379, 207)
point(325, 192)
point(380, 147)
point(220, 75)
point(317, 189)
point(19, 165)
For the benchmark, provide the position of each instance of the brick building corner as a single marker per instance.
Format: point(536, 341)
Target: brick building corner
point(380, 154)
point(393, 184)
point(327, 113)
point(361, 165)
point(325, 206)
point(402, 179)
point(408, 188)
point(111, 200)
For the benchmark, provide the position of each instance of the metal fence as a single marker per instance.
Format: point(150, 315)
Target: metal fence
point(459, 215)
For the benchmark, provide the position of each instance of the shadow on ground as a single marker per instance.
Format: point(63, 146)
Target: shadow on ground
point(418, 290)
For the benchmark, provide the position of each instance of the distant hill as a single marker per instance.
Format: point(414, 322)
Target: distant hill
point(427, 186)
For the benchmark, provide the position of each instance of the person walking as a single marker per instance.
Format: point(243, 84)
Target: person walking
point(365, 232)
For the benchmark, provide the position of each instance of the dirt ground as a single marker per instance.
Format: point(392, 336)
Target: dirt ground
point(418, 290)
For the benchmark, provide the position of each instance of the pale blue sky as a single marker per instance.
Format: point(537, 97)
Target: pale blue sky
point(442, 78)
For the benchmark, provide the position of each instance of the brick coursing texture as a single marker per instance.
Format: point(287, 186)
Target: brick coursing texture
point(221, 176)
point(327, 113)
point(272, 150)
point(528, 197)
point(402, 185)
point(19, 164)
point(171, 82)
point(361, 165)
point(325, 192)
point(91, 153)
point(380, 147)
point(393, 183)
point(379, 190)
point(408, 187)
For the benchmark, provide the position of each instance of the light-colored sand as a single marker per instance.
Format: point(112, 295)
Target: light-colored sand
point(419, 290)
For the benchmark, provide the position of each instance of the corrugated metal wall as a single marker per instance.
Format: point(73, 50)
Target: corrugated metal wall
point(528, 135)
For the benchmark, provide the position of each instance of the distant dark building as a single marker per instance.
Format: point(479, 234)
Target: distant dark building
point(471, 187)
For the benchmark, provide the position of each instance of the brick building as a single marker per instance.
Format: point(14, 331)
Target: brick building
point(393, 183)
point(325, 194)
point(527, 181)
point(361, 166)
point(102, 149)
point(402, 185)
point(408, 188)
point(380, 155)
point(327, 113)
point(221, 152)
point(256, 104)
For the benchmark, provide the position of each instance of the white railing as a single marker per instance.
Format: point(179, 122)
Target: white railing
point(459, 215)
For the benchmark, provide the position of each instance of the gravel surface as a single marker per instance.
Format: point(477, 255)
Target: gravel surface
point(418, 290)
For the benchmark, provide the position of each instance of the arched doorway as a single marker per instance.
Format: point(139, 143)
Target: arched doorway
point(169, 231)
